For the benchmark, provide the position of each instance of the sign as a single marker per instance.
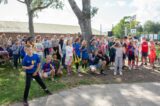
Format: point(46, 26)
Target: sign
point(133, 31)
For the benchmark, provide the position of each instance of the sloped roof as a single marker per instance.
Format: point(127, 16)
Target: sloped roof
point(22, 27)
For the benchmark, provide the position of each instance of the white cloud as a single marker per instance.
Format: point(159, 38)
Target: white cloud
point(147, 10)
point(121, 3)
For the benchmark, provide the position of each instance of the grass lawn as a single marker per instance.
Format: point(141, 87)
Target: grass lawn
point(12, 82)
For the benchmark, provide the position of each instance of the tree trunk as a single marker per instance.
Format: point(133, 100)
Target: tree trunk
point(84, 18)
point(31, 26)
point(30, 18)
point(86, 30)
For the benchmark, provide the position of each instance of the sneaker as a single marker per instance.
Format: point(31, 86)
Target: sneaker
point(48, 92)
point(115, 73)
point(25, 103)
point(129, 68)
point(80, 75)
point(120, 73)
point(52, 79)
point(102, 72)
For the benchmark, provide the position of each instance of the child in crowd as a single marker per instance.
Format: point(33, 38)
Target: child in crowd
point(69, 56)
point(158, 53)
point(39, 47)
point(152, 53)
point(144, 51)
point(31, 65)
point(57, 68)
point(118, 58)
point(136, 46)
point(77, 55)
point(85, 55)
point(48, 68)
point(15, 50)
point(111, 51)
point(131, 55)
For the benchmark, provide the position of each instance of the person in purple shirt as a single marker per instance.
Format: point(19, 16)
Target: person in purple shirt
point(48, 68)
point(31, 65)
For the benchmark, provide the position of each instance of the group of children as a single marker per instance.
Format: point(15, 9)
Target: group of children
point(67, 51)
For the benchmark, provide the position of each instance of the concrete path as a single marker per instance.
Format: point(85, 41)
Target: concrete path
point(141, 94)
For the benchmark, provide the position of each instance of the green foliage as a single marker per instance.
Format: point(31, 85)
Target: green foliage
point(4, 1)
point(119, 29)
point(151, 27)
point(38, 5)
point(94, 11)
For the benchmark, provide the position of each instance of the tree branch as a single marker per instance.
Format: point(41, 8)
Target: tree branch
point(21, 1)
point(76, 9)
point(42, 7)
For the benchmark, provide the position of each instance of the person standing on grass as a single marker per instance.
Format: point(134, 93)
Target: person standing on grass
point(136, 46)
point(85, 55)
point(111, 51)
point(46, 46)
point(144, 51)
point(152, 53)
point(39, 47)
point(15, 51)
point(69, 56)
point(77, 55)
point(118, 58)
point(131, 55)
point(31, 65)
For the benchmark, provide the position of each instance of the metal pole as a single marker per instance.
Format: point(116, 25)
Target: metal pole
point(100, 29)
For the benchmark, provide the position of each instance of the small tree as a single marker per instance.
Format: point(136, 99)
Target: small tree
point(33, 6)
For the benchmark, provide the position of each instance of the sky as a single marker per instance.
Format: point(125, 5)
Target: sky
point(109, 13)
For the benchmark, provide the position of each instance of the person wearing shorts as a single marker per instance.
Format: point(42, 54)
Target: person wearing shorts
point(48, 68)
point(131, 55)
point(144, 51)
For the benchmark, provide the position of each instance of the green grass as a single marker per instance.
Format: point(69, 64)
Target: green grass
point(12, 82)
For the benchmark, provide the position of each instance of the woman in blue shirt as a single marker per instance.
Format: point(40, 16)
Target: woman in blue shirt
point(85, 55)
point(77, 54)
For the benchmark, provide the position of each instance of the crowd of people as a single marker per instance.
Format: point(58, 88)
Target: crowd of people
point(67, 51)
point(48, 56)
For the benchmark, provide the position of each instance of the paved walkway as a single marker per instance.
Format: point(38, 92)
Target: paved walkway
point(141, 94)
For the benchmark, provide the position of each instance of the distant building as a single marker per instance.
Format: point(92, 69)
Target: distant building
point(12, 28)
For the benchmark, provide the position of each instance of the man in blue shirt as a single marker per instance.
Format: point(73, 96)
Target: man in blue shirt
point(31, 65)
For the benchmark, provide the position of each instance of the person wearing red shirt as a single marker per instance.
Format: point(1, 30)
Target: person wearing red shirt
point(144, 51)
point(152, 53)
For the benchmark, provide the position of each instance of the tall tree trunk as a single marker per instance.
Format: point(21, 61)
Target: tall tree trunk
point(31, 26)
point(30, 18)
point(84, 18)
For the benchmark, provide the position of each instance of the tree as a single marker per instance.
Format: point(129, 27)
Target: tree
point(84, 17)
point(3, 1)
point(151, 27)
point(33, 6)
point(119, 29)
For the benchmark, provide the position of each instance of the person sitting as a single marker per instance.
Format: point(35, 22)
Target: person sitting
point(56, 62)
point(48, 68)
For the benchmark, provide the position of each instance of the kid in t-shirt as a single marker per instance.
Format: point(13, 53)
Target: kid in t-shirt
point(56, 62)
point(31, 65)
point(48, 68)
